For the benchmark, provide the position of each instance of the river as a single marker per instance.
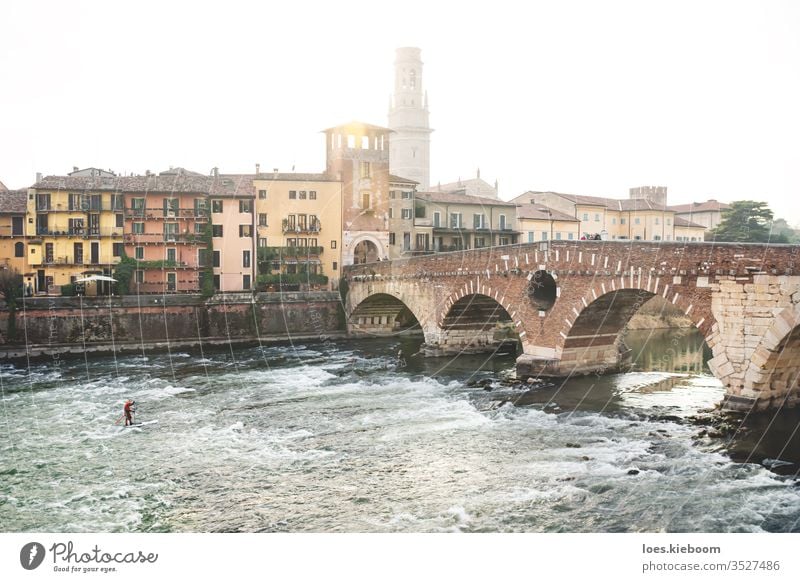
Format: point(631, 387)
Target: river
point(346, 437)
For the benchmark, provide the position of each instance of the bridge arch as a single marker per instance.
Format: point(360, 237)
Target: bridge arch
point(383, 314)
point(591, 338)
point(773, 373)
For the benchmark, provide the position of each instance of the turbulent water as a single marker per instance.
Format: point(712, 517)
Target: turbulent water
point(349, 438)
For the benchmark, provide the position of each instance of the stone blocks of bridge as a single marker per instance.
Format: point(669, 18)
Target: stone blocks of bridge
point(743, 298)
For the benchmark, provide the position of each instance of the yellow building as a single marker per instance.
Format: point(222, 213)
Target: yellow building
point(74, 228)
point(688, 231)
point(615, 219)
point(299, 229)
point(537, 223)
point(12, 231)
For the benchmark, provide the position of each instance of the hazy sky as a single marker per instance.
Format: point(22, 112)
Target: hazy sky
point(583, 97)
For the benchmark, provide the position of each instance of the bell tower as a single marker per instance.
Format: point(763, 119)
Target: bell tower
point(408, 117)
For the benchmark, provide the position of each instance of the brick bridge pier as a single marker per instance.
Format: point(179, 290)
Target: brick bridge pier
point(569, 302)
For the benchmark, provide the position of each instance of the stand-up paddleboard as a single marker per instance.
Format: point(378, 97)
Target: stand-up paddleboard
point(139, 424)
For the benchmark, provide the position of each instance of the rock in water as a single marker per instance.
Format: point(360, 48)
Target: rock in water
point(774, 463)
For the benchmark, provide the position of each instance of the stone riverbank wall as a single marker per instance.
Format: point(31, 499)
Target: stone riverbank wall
point(133, 323)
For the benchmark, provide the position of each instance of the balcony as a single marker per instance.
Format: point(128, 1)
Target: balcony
point(67, 260)
point(161, 214)
point(313, 226)
point(81, 232)
point(159, 238)
point(166, 265)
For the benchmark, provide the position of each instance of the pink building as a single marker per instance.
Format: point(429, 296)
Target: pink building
point(231, 203)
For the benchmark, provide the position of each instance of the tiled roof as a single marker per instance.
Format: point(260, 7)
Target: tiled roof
point(355, 125)
point(13, 201)
point(448, 198)
point(399, 180)
point(540, 212)
point(678, 221)
point(3, 187)
point(620, 204)
point(707, 206)
point(221, 185)
point(461, 184)
point(295, 177)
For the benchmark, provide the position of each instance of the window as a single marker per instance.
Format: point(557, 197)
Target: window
point(478, 221)
point(74, 202)
point(262, 242)
point(138, 253)
point(246, 259)
point(246, 282)
point(558, 236)
point(216, 282)
point(437, 219)
point(117, 202)
point(291, 242)
point(262, 194)
point(504, 240)
point(351, 141)
point(171, 206)
point(391, 238)
point(391, 212)
point(302, 195)
point(120, 220)
point(335, 266)
point(172, 255)
point(406, 214)
point(392, 194)
point(333, 244)
point(502, 222)
point(215, 259)
point(77, 253)
point(406, 241)
point(292, 194)
point(407, 194)
point(312, 194)
point(216, 206)
point(366, 169)
point(657, 237)
point(365, 200)
point(137, 205)
point(245, 230)
point(200, 207)
point(16, 225)
point(455, 220)
point(19, 249)
point(480, 242)
point(530, 237)
point(622, 221)
point(669, 221)
point(657, 220)
point(596, 217)
point(637, 220)
point(570, 236)
point(43, 202)
point(202, 257)
point(139, 277)
point(170, 231)
point(544, 236)
point(262, 219)
point(75, 225)
point(364, 142)
point(119, 248)
point(586, 216)
point(199, 228)
point(245, 206)
point(216, 230)
point(613, 221)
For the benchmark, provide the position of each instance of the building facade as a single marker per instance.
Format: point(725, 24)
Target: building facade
point(74, 229)
point(408, 119)
point(540, 223)
point(299, 230)
point(707, 214)
point(232, 205)
point(401, 216)
point(13, 206)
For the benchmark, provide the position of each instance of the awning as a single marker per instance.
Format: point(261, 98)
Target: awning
point(91, 278)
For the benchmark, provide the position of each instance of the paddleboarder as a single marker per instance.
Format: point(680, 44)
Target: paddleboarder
point(128, 410)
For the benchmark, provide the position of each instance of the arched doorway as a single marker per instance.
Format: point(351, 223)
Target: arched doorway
point(365, 252)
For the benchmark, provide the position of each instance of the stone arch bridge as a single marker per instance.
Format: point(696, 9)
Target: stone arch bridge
point(569, 302)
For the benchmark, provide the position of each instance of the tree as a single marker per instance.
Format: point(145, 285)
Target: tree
point(123, 273)
point(11, 290)
point(781, 229)
point(745, 221)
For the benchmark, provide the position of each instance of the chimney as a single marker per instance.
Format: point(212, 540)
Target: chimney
point(215, 171)
point(147, 173)
point(74, 168)
point(479, 173)
point(38, 176)
point(258, 168)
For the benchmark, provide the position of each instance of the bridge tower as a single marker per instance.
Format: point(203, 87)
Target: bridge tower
point(408, 117)
point(358, 156)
